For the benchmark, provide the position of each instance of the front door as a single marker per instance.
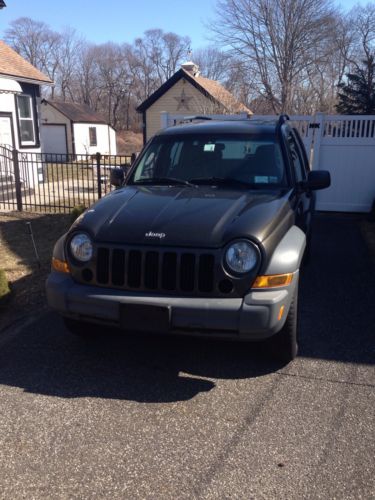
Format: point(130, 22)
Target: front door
point(6, 134)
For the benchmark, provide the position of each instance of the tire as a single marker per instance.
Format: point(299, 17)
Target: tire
point(284, 345)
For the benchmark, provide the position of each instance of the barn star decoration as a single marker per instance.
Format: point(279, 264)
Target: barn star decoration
point(183, 101)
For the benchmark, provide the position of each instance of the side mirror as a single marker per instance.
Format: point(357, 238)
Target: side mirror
point(117, 177)
point(317, 179)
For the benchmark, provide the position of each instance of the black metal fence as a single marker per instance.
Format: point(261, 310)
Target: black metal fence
point(54, 182)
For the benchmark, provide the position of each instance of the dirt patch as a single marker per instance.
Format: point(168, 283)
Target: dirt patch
point(129, 142)
point(17, 257)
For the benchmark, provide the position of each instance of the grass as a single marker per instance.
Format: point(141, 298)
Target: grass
point(25, 275)
point(84, 169)
point(58, 172)
point(4, 287)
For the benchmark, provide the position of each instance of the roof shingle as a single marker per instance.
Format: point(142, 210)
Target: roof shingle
point(14, 65)
point(79, 113)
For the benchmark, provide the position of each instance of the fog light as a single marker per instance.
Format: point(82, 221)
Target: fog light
point(273, 280)
point(60, 265)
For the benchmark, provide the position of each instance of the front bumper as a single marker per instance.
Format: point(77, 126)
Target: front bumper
point(253, 317)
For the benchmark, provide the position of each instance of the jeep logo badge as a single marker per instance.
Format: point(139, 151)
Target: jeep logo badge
point(151, 234)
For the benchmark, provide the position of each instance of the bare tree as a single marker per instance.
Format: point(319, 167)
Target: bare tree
point(213, 63)
point(33, 40)
point(279, 40)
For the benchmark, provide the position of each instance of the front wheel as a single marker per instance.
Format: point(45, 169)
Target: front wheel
point(284, 346)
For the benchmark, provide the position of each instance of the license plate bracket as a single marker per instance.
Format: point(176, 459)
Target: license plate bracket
point(145, 318)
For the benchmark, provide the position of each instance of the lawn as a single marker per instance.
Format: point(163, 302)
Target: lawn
point(17, 258)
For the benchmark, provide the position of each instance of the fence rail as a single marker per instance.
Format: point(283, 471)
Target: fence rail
point(54, 182)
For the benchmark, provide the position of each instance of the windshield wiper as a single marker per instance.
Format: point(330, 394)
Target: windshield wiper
point(221, 181)
point(164, 180)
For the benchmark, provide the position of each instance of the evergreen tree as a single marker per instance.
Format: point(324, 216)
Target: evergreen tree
point(357, 96)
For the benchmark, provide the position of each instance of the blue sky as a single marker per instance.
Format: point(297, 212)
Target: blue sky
point(122, 20)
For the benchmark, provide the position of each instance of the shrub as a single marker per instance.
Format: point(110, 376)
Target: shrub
point(76, 212)
point(4, 288)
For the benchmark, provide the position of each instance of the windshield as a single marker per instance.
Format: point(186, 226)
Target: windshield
point(243, 161)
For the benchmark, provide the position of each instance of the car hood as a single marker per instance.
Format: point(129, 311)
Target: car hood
point(203, 216)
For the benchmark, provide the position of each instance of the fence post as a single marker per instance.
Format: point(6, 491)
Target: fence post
point(318, 134)
point(98, 174)
point(17, 179)
point(164, 119)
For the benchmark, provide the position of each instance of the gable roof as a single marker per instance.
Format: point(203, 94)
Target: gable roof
point(12, 65)
point(78, 113)
point(210, 88)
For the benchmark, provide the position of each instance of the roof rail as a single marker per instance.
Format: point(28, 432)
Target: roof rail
point(196, 117)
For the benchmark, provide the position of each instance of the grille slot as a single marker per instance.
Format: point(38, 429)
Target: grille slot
point(102, 268)
point(206, 272)
point(118, 267)
point(134, 269)
point(187, 272)
point(151, 270)
point(157, 270)
point(169, 271)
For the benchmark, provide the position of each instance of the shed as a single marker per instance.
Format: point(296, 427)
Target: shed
point(187, 92)
point(72, 128)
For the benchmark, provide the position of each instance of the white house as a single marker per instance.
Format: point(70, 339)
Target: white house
point(19, 118)
point(71, 128)
point(19, 101)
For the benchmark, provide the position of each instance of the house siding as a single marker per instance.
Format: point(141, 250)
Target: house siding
point(105, 135)
point(197, 104)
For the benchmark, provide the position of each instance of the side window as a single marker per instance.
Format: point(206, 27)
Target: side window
point(297, 159)
point(92, 136)
point(26, 120)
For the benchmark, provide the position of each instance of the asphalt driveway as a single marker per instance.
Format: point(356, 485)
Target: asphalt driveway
point(150, 417)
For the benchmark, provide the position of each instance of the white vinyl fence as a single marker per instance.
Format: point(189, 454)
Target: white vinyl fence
point(342, 144)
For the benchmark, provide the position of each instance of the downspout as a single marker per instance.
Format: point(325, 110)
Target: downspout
point(73, 139)
point(144, 127)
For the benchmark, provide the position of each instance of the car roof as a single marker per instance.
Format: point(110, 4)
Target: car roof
point(207, 126)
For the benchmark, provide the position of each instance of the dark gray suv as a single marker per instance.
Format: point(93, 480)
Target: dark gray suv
point(205, 237)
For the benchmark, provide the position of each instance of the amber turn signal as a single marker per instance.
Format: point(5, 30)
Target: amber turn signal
point(273, 280)
point(60, 265)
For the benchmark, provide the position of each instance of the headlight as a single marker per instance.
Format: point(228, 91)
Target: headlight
point(241, 257)
point(81, 247)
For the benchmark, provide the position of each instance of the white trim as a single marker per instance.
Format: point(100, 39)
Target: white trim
point(9, 86)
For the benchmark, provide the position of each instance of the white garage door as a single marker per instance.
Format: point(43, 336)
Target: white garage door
point(53, 139)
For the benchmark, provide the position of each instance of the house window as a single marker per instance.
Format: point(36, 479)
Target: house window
point(26, 120)
point(92, 134)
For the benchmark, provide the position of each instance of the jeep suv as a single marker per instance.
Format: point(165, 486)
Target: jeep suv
point(205, 237)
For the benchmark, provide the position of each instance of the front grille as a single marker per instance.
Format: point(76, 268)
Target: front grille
point(156, 270)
